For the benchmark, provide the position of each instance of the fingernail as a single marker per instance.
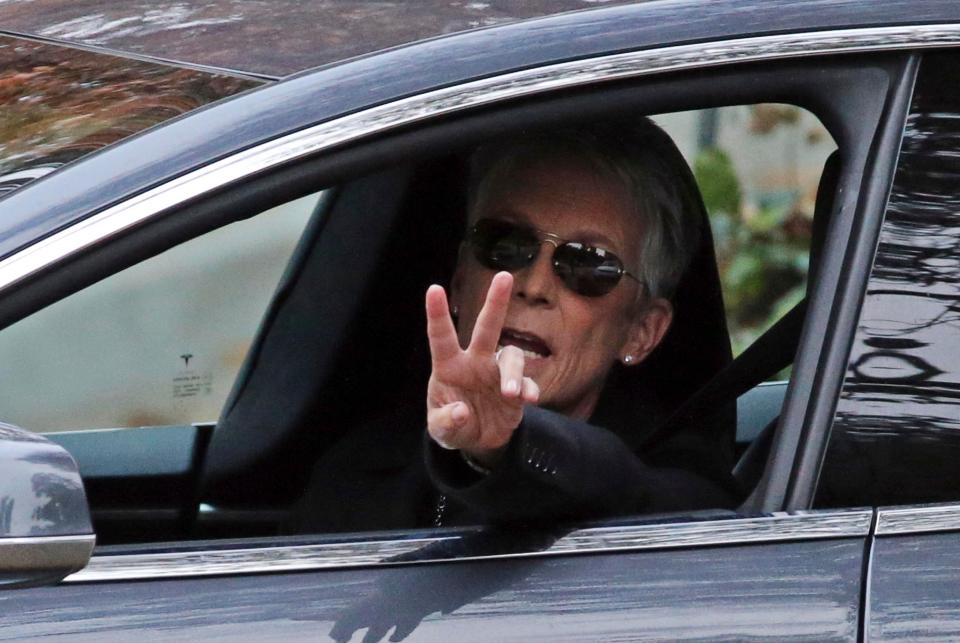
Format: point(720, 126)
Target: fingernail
point(513, 387)
point(459, 413)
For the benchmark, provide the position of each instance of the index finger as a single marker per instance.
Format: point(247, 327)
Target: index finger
point(486, 332)
point(440, 331)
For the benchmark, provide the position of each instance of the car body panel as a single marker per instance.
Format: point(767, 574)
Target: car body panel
point(913, 593)
point(235, 124)
point(272, 38)
point(895, 438)
point(896, 422)
point(278, 38)
point(800, 589)
point(755, 592)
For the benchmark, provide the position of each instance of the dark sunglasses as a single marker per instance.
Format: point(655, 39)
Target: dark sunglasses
point(587, 271)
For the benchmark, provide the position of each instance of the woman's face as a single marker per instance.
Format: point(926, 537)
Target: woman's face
point(570, 341)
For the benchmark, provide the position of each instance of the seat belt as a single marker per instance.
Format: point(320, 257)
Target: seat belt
point(770, 353)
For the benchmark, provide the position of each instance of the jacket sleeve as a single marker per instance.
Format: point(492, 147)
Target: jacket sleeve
point(556, 467)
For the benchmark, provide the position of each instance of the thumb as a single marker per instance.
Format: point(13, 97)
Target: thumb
point(443, 423)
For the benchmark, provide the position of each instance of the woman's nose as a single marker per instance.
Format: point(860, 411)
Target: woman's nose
point(537, 283)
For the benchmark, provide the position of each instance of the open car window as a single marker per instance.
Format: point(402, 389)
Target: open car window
point(759, 169)
point(160, 345)
point(335, 351)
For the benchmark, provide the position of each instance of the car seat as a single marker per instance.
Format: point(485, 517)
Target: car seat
point(323, 362)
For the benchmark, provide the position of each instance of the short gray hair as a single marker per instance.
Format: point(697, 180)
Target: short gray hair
point(641, 157)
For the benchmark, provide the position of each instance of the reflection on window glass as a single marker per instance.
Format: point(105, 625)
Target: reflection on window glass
point(758, 167)
point(58, 104)
point(157, 344)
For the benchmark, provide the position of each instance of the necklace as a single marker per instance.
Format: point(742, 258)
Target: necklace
point(441, 507)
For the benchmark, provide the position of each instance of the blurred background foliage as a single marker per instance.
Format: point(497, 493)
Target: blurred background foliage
point(758, 168)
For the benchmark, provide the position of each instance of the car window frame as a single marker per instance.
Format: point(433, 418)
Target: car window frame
point(52, 254)
point(835, 303)
point(916, 156)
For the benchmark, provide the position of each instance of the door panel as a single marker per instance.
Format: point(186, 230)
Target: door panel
point(895, 437)
point(914, 593)
point(801, 591)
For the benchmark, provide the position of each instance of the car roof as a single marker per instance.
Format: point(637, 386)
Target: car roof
point(274, 38)
point(268, 38)
point(276, 109)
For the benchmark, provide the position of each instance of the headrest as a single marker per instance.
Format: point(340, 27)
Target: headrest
point(822, 211)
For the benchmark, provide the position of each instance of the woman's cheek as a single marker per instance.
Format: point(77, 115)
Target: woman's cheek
point(565, 373)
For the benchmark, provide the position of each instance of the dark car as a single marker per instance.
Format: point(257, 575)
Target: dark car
point(218, 223)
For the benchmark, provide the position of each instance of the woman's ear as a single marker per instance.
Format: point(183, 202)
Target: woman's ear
point(647, 330)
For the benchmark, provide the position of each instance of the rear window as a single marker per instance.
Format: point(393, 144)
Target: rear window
point(58, 104)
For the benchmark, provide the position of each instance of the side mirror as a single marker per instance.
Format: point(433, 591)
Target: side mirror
point(45, 529)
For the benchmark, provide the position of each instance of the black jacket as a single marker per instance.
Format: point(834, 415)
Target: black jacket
point(385, 476)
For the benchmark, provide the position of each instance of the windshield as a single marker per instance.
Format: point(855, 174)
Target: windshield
point(58, 104)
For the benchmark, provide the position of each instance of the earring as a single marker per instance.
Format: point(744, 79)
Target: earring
point(455, 310)
point(628, 359)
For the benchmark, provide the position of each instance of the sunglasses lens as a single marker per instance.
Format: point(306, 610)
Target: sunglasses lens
point(500, 245)
point(590, 272)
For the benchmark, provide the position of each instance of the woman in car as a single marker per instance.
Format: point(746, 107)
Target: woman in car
point(576, 240)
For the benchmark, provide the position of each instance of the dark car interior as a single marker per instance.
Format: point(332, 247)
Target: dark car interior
point(383, 238)
point(318, 377)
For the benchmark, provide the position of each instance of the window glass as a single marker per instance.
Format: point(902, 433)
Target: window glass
point(896, 436)
point(159, 343)
point(58, 103)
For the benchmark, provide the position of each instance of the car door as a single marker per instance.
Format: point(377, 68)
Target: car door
point(894, 440)
point(759, 572)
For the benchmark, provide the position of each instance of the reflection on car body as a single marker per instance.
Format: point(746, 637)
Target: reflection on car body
point(348, 172)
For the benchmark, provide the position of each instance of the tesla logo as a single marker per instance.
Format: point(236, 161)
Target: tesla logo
point(186, 357)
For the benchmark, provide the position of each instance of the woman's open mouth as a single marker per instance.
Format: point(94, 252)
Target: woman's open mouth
point(533, 347)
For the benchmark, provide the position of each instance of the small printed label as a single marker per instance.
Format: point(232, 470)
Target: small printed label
point(191, 384)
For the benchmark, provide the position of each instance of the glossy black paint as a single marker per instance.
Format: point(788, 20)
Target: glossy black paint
point(834, 303)
point(276, 38)
point(913, 590)
point(896, 436)
point(801, 591)
point(62, 198)
point(41, 493)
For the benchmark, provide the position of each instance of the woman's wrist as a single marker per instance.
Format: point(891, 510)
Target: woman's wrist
point(483, 460)
point(474, 464)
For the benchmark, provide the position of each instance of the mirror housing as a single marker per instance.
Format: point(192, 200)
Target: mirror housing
point(45, 528)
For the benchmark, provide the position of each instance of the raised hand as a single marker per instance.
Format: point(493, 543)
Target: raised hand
point(475, 397)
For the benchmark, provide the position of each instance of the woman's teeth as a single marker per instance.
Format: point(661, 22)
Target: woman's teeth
point(527, 354)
